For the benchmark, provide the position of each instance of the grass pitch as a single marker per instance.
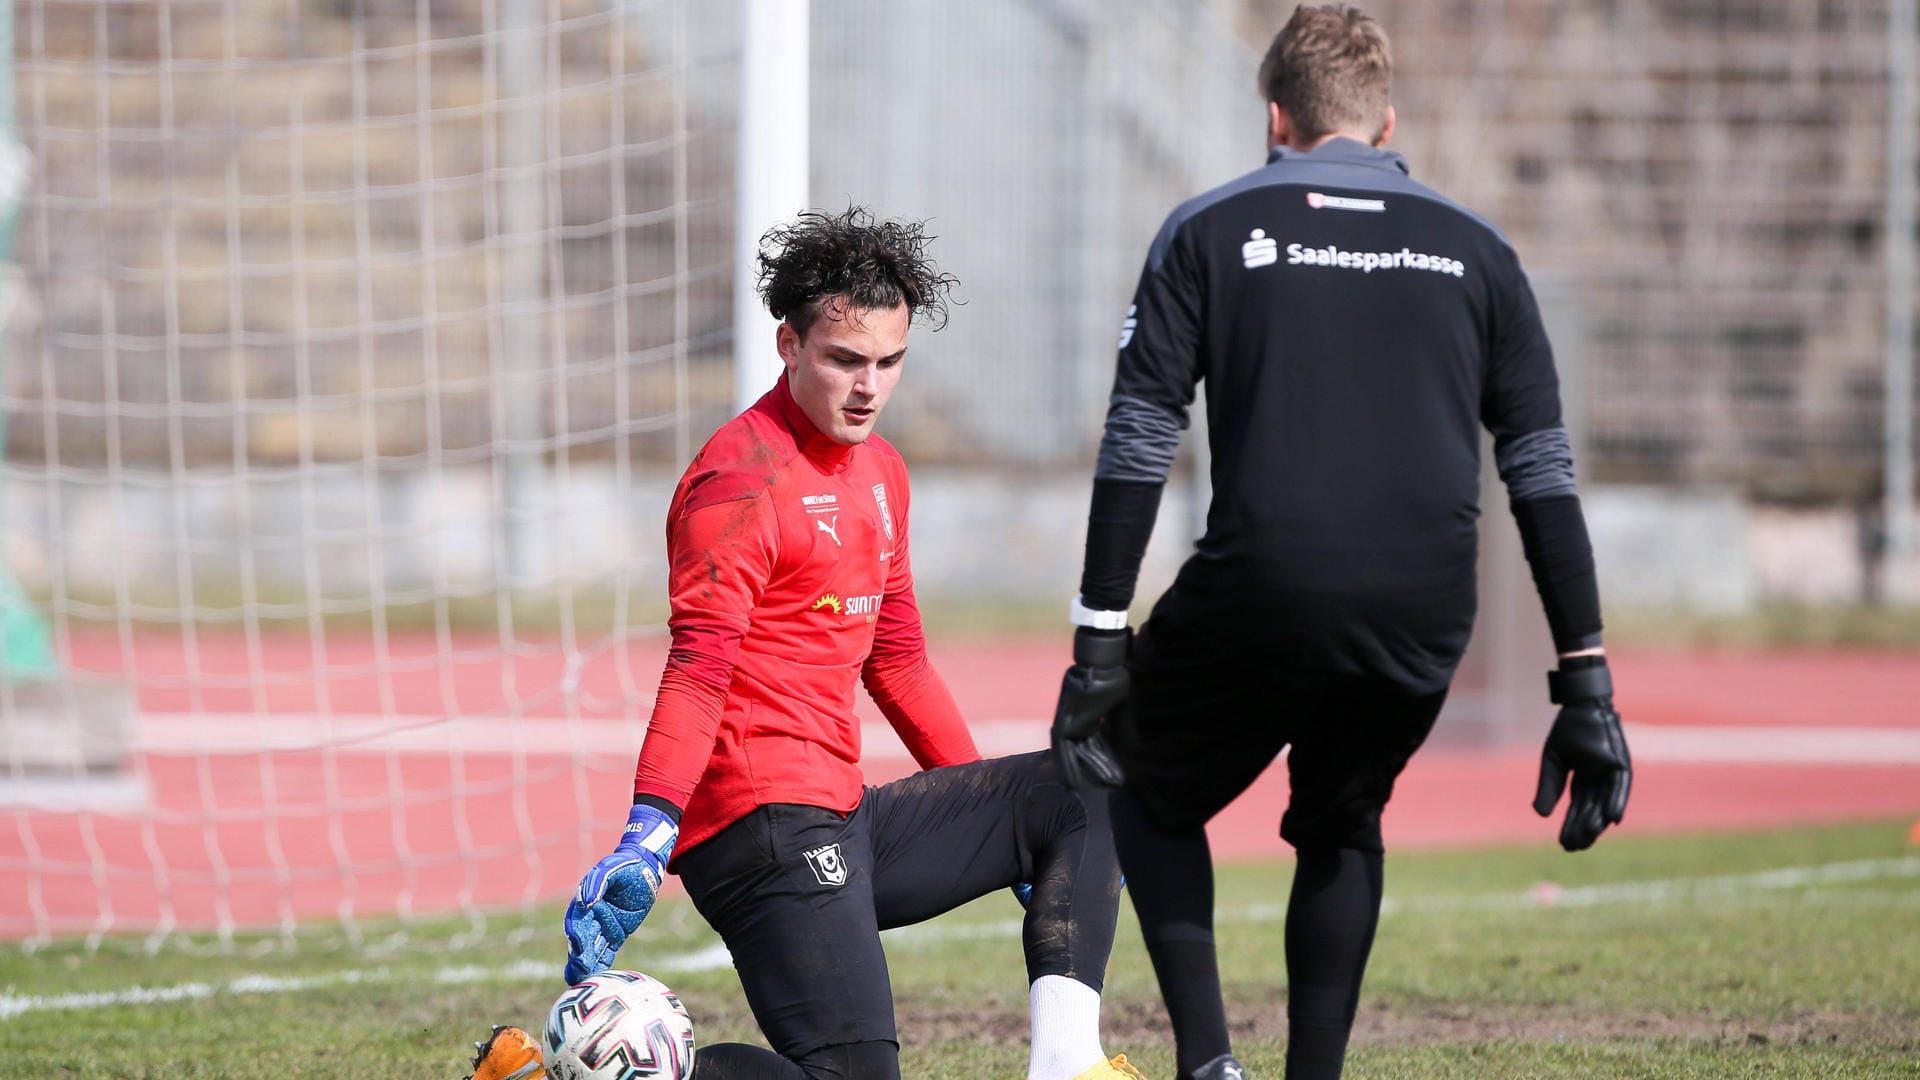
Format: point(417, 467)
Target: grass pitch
point(1779, 954)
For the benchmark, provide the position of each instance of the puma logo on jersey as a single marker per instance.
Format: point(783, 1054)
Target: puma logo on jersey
point(828, 525)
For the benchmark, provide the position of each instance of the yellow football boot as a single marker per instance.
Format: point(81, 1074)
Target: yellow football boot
point(508, 1054)
point(1116, 1069)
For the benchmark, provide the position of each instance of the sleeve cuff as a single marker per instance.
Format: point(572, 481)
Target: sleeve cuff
point(1079, 614)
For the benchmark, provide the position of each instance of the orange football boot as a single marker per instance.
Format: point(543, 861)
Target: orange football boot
point(508, 1054)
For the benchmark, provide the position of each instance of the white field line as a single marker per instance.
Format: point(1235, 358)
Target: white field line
point(715, 956)
point(186, 733)
point(1757, 745)
point(1547, 894)
point(545, 736)
point(11, 1005)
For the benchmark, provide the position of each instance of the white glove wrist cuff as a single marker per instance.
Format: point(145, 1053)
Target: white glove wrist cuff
point(1079, 614)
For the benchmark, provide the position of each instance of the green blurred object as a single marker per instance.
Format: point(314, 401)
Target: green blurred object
point(26, 651)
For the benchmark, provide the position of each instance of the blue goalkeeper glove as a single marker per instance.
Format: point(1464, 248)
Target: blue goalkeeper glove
point(618, 892)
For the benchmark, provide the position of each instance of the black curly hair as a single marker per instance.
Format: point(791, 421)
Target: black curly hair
point(870, 264)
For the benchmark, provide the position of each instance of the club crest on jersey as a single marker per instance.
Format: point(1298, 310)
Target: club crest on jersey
point(828, 867)
point(1259, 250)
point(886, 518)
point(1321, 201)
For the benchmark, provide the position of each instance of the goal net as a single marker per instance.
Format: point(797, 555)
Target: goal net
point(351, 345)
point(353, 348)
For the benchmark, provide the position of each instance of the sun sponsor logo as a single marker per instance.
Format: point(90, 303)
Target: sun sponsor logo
point(865, 604)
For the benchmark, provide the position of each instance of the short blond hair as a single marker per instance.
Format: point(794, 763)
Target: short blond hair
point(1331, 69)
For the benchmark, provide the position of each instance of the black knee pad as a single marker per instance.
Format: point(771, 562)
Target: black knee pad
point(853, 1061)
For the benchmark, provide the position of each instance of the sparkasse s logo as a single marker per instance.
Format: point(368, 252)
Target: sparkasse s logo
point(1259, 250)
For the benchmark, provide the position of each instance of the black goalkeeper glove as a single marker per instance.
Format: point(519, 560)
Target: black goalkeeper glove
point(1586, 740)
point(1096, 685)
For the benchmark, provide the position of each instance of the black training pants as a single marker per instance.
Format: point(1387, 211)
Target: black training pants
point(800, 893)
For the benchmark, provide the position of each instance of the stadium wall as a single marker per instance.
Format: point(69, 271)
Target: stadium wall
point(986, 535)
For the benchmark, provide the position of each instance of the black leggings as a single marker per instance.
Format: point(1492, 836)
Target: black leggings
point(1333, 909)
point(800, 895)
point(852, 1061)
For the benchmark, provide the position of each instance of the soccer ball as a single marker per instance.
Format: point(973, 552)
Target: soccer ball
point(619, 1025)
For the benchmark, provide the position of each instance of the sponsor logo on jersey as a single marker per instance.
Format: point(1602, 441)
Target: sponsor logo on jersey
point(1368, 261)
point(1340, 202)
point(821, 504)
point(1260, 250)
point(828, 526)
point(867, 604)
point(886, 518)
point(828, 867)
point(1126, 325)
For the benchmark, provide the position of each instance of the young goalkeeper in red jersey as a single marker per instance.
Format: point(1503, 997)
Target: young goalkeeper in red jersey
point(791, 582)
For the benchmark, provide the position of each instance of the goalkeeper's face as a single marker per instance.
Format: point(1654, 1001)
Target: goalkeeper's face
point(844, 369)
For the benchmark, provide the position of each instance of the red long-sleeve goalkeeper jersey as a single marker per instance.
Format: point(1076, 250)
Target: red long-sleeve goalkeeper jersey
point(789, 583)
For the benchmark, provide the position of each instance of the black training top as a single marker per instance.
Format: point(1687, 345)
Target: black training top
point(1355, 329)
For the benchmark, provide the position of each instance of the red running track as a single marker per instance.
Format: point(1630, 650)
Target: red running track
point(229, 830)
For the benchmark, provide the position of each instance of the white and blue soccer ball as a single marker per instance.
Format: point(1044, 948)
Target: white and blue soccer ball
point(619, 1025)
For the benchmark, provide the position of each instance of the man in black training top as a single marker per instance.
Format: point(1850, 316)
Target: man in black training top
point(1355, 329)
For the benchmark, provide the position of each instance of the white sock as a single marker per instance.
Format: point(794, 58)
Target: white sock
point(1066, 1028)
